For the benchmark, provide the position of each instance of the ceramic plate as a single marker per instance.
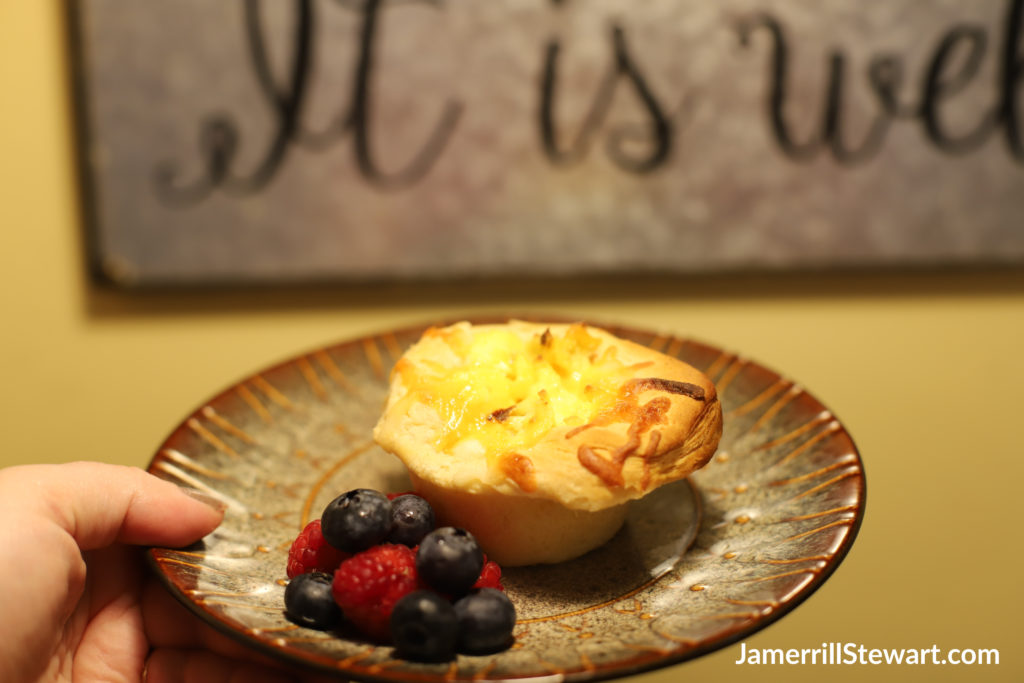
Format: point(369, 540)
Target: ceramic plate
point(699, 564)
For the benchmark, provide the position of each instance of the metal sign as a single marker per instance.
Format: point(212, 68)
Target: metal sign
point(294, 140)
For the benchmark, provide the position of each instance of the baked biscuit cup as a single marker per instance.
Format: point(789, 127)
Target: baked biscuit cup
point(535, 437)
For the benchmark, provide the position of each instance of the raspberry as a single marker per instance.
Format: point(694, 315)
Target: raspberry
point(368, 584)
point(311, 553)
point(490, 576)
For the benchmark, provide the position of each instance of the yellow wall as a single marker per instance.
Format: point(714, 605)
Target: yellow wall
point(925, 369)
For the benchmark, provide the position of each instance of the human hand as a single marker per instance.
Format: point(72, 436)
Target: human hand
point(78, 603)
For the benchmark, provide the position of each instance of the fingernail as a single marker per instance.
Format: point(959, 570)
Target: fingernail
point(205, 498)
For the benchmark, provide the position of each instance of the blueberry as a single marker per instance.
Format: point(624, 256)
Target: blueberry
point(424, 627)
point(449, 560)
point(412, 518)
point(356, 520)
point(486, 618)
point(308, 601)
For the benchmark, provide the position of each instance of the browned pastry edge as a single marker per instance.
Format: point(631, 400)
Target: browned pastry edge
point(666, 424)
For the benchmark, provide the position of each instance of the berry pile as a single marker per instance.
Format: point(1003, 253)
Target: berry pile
point(377, 561)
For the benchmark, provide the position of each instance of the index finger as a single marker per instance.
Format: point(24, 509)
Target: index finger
point(99, 504)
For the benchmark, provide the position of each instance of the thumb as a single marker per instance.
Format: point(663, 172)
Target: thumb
point(100, 504)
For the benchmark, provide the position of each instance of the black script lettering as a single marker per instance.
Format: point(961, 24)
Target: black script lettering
point(219, 138)
point(1011, 74)
point(954, 64)
point(831, 133)
point(779, 82)
point(885, 76)
point(833, 125)
point(219, 135)
point(286, 102)
point(218, 142)
point(361, 109)
point(659, 131)
point(940, 85)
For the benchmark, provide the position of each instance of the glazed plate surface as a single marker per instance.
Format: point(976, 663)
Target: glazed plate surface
point(698, 565)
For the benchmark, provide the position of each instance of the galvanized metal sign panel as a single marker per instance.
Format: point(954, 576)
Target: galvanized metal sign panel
point(249, 140)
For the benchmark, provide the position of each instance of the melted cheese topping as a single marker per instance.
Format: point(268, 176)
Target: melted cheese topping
point(507, 392)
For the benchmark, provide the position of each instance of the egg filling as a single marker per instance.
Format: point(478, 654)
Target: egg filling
point(507, 392)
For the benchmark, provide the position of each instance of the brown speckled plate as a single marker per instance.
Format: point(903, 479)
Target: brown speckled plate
point(699, 564)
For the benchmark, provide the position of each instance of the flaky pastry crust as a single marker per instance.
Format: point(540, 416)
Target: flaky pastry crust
point(665, 424)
